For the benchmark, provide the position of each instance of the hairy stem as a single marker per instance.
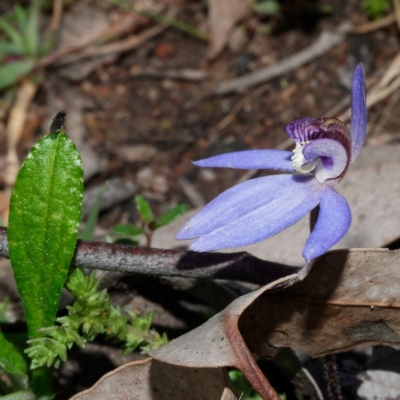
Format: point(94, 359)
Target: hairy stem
point(332, 377)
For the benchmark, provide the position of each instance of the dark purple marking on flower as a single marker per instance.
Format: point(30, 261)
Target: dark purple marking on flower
point(327, 162)
point(303, 130)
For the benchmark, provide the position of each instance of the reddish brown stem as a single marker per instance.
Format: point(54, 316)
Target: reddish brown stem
point(156, 262)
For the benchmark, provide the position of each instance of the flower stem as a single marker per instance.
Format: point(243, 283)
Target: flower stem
point(329, 361)
point(332, 377)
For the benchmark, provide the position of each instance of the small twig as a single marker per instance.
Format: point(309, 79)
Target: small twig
point(325, 42)
point(389, 82)
point(396, 6)
point(184, 74)
point(193, 195)
point(175, 23)
point(56, 17)
point(231, 116)
point(237, 108)
point(374, 25)
point(339, 106)
point(15, 125)
point(155, 262)
point(385, 113)
point(116, 47)
point(127, 24)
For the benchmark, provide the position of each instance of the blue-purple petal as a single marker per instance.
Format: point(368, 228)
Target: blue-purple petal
point(250, 159)
point(302, 130)
point(334, 219)
point(237, 201)
point(333, 158)
point(300, 196)
point(358, 112)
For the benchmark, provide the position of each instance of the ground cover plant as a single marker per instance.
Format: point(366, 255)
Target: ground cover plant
point(103, 296)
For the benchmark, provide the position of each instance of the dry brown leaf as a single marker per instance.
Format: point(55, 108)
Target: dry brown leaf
point(153, 380)
point(349, 297)
point(223, 15)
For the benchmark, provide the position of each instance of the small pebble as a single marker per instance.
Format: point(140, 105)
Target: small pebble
point(145, 176)
point(138, 153)
point(207, 175)
point(159, 184)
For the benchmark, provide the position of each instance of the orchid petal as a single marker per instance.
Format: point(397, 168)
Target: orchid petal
point(251, 159)
point(358, 112)
point(302, 130)
point(333, 158)
point(300, 196)
point(334, 219)
point(237, 201)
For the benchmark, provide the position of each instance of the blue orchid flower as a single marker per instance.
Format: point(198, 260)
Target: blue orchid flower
point(262, 207)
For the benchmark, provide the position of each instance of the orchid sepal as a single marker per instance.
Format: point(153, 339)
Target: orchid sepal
point(250, 159)
point(358, 112)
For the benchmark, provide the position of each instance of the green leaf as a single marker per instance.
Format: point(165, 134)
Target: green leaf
point(88, 231)
point(11, 72)
point(375, 8)
point(45, 211)
point(144, 209)
point(243, 386)
point(170, 215)
point(11, 360)
point(9, 48)
point(3, 309)
point(31, 30)
point(267, 7)
point(127, 230)
point(20, 395)
point(21, 15)
point(13, 34)
point(46, 45)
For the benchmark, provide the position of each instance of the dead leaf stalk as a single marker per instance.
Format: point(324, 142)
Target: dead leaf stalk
point(15, 125)
point(57, 15)
point(248, 365)
point(374, 25)
point(129, 23)
point(116, 47)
